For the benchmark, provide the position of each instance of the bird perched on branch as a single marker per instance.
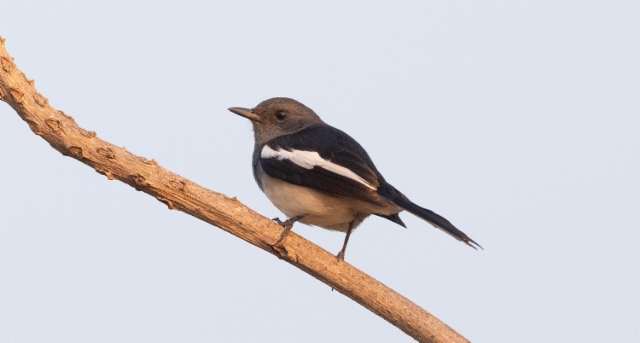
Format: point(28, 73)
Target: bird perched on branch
point(318, 175)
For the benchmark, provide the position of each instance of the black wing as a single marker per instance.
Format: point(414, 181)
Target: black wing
point(331, 145)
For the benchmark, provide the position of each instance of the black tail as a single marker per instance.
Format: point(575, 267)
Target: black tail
point(394, 218)
point(433, 219)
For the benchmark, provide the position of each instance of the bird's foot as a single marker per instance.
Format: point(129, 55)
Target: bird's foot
point(340, 256)
point(287, 225)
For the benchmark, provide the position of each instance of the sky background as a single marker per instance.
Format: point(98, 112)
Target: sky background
point(518, 121)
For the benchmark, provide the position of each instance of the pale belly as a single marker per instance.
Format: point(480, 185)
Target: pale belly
point(319, 209)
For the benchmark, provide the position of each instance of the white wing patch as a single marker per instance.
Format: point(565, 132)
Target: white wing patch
point(309, 160)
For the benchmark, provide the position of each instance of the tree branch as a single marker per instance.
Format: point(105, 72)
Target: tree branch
point(178, 193)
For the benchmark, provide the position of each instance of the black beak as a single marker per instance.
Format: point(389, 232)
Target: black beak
point(245, 112)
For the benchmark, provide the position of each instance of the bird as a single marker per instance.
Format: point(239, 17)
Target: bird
point(318, 175)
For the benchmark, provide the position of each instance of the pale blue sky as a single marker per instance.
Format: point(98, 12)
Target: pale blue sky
point(517, 121)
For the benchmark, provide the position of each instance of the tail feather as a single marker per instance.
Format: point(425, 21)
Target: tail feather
point(434, 219)
point(393, 217)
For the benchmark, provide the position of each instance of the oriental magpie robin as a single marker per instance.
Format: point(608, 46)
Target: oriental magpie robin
point(319, 175)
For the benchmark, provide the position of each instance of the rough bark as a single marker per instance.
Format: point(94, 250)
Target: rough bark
point(178, 193)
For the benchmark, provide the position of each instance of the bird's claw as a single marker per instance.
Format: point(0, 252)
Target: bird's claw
point(287, 225)
point(280, 222)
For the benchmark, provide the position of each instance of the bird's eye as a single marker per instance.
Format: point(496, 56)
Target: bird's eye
point(280, 115)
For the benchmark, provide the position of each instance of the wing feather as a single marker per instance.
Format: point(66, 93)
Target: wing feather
point(325, 159)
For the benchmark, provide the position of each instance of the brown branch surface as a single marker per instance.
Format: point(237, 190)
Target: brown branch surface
point(178, 193)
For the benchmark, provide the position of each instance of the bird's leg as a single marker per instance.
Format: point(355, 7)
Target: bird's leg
point(287, 225)
point(346, 240)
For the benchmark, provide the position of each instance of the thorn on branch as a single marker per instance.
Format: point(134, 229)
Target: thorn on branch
point(106, 152)
point(40, 99)
point(54, 124)
point(17, 95)
point(284, 254)
point(34, 127)
point(139, 180)
point(179, 185)
point(88, 134)
point(77, 151)
point(167, 202)
point(67, 116)
point(7, 65)
point(146, 161)
point(105, 173)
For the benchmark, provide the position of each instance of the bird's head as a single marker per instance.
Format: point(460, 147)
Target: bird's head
point(276, 117)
